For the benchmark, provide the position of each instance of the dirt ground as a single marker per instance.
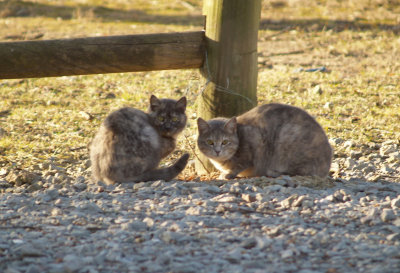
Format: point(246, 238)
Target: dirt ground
point(355, 97)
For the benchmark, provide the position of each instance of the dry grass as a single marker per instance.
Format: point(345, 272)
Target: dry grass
point(52, 119)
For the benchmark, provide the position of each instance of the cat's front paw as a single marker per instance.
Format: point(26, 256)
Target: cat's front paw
point(230, 176)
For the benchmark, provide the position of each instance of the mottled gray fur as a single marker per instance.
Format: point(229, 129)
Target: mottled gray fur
point(131, 143)
point(269, 140)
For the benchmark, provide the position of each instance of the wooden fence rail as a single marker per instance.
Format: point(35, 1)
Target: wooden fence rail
point(97, 55)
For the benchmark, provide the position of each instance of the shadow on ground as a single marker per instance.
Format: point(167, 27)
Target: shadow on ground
point(29, 9)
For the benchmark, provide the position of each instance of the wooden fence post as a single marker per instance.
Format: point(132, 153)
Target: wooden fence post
point(230, 67)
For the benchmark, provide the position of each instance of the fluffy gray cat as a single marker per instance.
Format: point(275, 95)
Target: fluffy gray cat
point(131, 143)
point(269, 140)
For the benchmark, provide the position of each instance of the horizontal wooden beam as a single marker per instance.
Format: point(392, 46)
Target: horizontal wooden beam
point(97, 55)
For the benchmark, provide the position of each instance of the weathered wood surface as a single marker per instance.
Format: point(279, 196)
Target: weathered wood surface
point(97, 55)
point(231, 66)
point(231, 45)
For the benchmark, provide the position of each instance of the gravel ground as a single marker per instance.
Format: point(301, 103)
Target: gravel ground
point(53, 220)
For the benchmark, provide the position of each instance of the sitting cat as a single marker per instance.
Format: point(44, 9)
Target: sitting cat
point(269, 140)
point(130, 143)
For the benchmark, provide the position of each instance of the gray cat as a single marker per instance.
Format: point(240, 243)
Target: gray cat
point(130, 143)
point(269, 140)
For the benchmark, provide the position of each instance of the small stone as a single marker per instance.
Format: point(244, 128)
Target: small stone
point(281, 182)
point(335, 167)
point(5, 184)
point(195, 211)
point(261, 197)
point(328, 105)
point(89, 207)
point(387, 215)
point(79, 186)
point(355, 154)
point(21, 177)
point(213, 189)
point(394, 157)
point(28, 250)
point(273, 188)
point(149, 222)
point(51, 102)
point(53, 167)
point(49, 179)
point(110, 96)
point(3, 172)
point(33, 269)
point(287, 203)
point(393, 237)
point(56, 212)
point(287, 254)
point(396, 222)
point(12, 270)
point(387, 149)
point(73, 262)
point(86, 115)
point(336, 141)
point(235, 188)
point(307, 204)
point(386, 169)
point(140, 185)
point(234, 256)
point(348, 144)
point(249, 243)
point(50, 195)
point(339, 196)
point(349, 163)
point(34, 187)
point(225, 198)
point(317, 90)
point(249, 198)
point(298, 202)
point(366, 220)
point(169, 236)
point(273, 232)
point(395, 203)
point(373, 212)
point(134, 226)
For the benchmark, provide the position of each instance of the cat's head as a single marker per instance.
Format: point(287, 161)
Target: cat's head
point(168, 115)
point(218, 138)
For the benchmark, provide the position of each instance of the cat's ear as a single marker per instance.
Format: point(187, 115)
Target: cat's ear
point(202, 125)
point(231, 126)
point(154, 103)
point(181, 104)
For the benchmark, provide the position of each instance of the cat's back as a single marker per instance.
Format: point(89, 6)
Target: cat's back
point(126, 119)
point(275, 113)
point(128, 127)
point(294, 141)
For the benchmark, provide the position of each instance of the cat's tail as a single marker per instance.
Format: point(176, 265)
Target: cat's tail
point(166, 174)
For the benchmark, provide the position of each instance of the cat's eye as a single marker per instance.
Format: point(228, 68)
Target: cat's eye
point(160, 118)
point(175, 119)
point(210, 142)
point(224, 142)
